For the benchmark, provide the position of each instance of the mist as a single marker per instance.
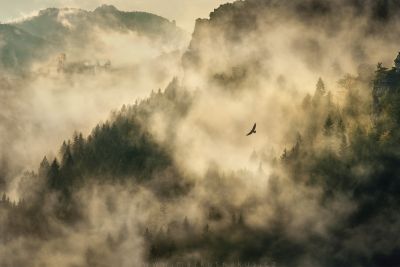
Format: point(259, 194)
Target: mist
point(157, 166)
point(44, 106)
point(183, 12)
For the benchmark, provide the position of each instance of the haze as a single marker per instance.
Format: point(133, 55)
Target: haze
point(183, 12)
point(123, 138)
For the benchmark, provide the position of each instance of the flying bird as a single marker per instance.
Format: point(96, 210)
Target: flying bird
point(253, 131)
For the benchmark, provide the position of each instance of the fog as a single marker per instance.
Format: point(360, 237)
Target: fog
point(223, 196)
point(44, 107)
point(184, 12)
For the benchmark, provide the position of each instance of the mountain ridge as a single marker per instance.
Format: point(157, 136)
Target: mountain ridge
point(60, 27)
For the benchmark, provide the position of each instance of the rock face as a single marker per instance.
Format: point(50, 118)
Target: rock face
point(320, 37)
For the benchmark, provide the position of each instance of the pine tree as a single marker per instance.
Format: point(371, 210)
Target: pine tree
point(260, 168)
point(67, 168)
point(78, 145)
point(319, 92)
point(320, 89)
point(54, 175)
point(63, 148)
point(284, 155)
point(67, 157)
point(328, 125)
point(341, 128)
point(296, 148)
point(44, 167)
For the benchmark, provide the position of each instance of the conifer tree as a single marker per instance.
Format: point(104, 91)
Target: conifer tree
point(44, 167)
point(328, 125)
point(320, 88)
point(54, 175)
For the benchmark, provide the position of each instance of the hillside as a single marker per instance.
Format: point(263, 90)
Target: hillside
point(54, 24)
point(173, 179)
point(55, 31)
point(326, 190)
point(273, 39)
point(17, 47)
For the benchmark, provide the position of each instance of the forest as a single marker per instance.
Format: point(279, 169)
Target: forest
point(339, 162)
point(171, 178)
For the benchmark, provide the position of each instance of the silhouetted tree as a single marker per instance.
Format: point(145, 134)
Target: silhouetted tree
point(284, 155)
point(54, 175)
point(44, 168)
point(328, 125)
point(320, 88)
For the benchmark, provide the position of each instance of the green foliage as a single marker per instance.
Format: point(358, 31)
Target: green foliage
point(344, 160)
point(121, 149)
point(366, 164)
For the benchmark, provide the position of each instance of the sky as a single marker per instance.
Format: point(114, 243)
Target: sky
point(183, 11)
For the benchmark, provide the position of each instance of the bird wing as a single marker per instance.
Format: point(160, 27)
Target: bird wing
point(252, 130)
